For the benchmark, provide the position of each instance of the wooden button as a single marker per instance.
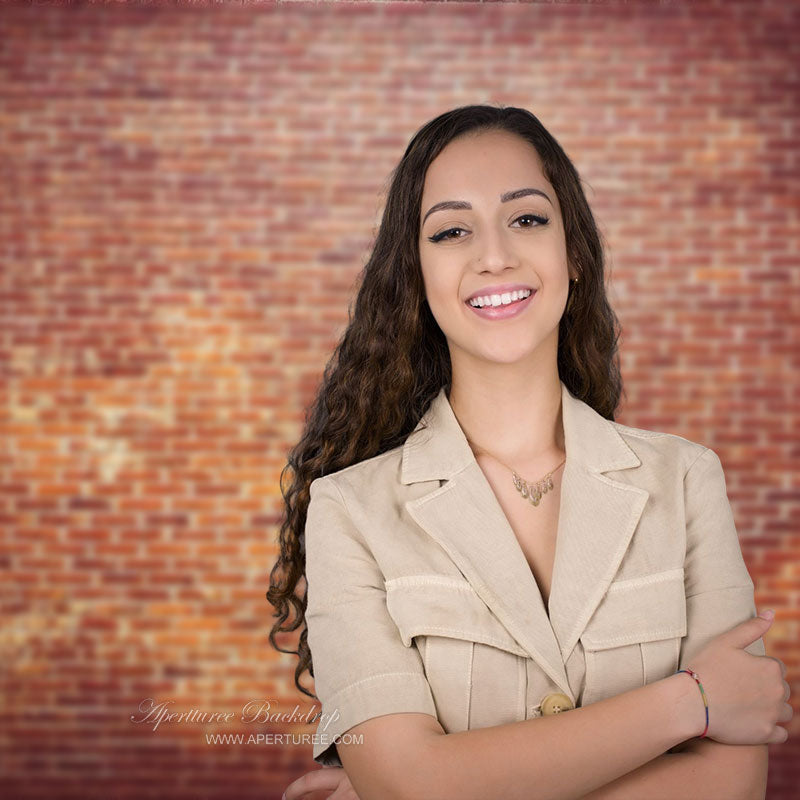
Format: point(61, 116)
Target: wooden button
point(556, 703)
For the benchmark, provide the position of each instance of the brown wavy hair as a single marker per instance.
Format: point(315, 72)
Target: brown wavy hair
point(392, 358)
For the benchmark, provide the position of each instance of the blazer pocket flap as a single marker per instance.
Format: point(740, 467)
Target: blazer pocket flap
point(436, 605)
point(642, 609)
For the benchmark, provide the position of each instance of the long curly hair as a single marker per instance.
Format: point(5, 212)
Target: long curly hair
point(392, 359)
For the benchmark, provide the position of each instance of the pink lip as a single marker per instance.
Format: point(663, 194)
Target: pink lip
point(503, 312)
point(499, 289)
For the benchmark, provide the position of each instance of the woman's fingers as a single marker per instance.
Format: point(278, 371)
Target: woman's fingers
point(778, 735)
point(780, 663)
point(318, 780)
point(344, 792)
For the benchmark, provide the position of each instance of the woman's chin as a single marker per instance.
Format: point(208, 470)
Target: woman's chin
point(504, 357)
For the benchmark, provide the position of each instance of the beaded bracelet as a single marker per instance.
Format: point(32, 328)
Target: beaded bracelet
point(694, 675)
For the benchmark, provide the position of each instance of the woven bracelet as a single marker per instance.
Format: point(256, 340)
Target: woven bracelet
point(691, 673)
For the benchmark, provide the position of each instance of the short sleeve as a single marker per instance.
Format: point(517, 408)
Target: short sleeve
point(362, 669)
point(719, 589)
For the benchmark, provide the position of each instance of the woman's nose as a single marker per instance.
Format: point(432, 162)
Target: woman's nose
point(494, 252)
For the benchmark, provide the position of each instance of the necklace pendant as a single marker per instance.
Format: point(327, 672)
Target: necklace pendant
point(532, 492)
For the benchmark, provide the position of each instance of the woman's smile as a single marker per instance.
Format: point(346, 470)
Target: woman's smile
point(501, 305)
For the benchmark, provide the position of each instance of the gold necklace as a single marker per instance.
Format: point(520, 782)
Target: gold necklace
point(531, 491)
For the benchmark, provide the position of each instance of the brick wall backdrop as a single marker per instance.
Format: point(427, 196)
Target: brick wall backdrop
point(188, 194)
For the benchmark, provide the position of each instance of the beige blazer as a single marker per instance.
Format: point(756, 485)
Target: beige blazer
point(421, 599)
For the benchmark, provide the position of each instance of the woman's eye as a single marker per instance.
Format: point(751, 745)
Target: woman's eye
point(539, 218)
point(444, 235)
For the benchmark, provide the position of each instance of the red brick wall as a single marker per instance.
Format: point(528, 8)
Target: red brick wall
point(187, 197)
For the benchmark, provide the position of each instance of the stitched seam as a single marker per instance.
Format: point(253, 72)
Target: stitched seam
point(699, 456)
point(352, 467)
point(374, 678)
point(589, 690)
point(617, 484)
point(639, 433)
point(446, 487)
point(341, 497)
point(430, 580)
point(663, 633)
point(462, 634)
point(647, 580)
point(468, 697)
point(642, 650)
point(720, 589)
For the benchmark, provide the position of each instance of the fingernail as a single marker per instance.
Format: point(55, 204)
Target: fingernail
point(767, 614)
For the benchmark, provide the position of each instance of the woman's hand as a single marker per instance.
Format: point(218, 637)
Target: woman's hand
point(328, 783)
point(747, 694)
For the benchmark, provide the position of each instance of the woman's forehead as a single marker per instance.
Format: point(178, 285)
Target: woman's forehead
point(489, 166)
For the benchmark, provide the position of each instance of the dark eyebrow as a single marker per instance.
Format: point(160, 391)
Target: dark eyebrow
point(462, 205)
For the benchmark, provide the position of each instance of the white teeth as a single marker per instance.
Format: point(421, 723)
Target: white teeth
point(499, 299)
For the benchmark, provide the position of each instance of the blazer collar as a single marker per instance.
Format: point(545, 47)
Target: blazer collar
point(597, 517)
point(441, 449)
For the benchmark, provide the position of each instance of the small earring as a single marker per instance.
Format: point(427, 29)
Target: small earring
point(573, 281)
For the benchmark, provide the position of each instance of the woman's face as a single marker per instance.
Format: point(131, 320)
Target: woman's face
point(490, 240)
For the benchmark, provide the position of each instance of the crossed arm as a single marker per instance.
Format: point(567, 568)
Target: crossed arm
point(615, 748)
point(699, 769)
point(717, 588)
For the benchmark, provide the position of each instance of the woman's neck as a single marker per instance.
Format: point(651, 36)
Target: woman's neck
point(516, 420)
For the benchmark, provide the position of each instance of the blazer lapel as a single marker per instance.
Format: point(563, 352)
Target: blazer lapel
point(597, 518)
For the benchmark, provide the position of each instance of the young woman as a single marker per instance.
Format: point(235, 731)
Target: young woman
point(502, 583)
